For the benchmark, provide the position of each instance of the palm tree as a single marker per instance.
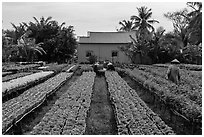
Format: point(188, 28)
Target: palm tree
point(138, 46)
point(43, 28)
point(28, 48)
point(196, 6)
point(19, 31)
point(142, 21)
point(126, 25)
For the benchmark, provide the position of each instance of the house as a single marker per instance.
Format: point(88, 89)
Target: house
point(104, 45)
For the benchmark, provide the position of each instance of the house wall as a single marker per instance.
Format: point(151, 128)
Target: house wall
point(102, 51)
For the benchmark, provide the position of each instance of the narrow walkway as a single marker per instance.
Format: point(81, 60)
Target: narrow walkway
point(101, 119)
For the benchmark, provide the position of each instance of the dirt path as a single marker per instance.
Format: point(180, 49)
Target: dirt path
point(101, 119)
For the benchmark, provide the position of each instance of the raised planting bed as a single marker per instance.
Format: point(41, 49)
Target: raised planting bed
point(68, 114)
point(176, 97)
point(24, 82)
point(17, 108)
point(14, 76)
point(6, 73)
point(19, 68)
point(190, 83)
point(134, 117)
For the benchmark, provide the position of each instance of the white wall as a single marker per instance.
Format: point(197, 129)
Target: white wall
point(102, 51)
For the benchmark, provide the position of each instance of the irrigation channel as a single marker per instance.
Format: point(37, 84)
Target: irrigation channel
point(101, 118)
point(179, 124)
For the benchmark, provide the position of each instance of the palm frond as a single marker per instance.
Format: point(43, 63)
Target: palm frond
point(63, 23)
point(14, 26)
point(36, 20)
point(135, 18)
point(153, 21)
point(49, 18)
point(133, 39)
point(25, 24)
point(37, 50)
point(148, 15)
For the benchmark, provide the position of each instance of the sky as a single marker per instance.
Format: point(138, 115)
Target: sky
point(86, 16)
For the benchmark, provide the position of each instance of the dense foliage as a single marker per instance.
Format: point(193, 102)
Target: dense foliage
point(183, 43)
point(44, 39)
point(185, 98)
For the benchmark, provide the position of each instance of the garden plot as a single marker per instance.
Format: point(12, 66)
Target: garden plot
point(18, 67)
point(91, 104)
point(27, 123)
point(180, 102)
point(188, 93)
point(68, 115)
point(14, 76)
point(133, 116)
point(23, 82)
point(15, 109)
point(192, 79)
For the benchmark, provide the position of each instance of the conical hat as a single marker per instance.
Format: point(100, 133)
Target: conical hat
point(109, 63)
point(175, 61)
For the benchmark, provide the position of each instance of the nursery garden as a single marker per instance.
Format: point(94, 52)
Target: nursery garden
point(71, 99)
point(45, 91)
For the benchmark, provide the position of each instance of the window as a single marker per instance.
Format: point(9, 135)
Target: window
point(89, 53)
point(114, 53)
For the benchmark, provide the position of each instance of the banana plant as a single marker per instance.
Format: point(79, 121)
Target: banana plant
point(28, 48)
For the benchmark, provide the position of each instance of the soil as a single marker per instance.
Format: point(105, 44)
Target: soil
point(101, 116)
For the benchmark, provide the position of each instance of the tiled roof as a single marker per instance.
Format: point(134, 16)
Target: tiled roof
point(107, 37)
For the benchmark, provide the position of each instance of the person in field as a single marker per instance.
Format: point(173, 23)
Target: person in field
point(173, 72)
point(110, 66)
point(95, 67)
